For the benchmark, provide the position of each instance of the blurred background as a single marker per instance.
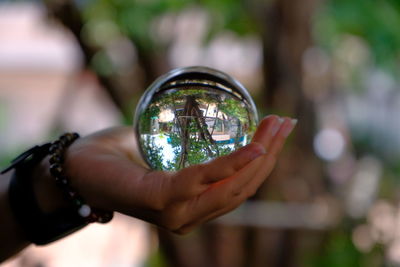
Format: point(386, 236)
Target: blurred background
point(334, 197)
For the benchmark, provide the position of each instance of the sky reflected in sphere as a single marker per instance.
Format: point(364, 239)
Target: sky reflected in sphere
point(192, 115)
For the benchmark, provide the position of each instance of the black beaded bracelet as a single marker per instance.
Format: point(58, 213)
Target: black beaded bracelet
point(57, 151)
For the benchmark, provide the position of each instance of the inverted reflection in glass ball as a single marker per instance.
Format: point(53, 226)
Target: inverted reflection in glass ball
point(192, 115)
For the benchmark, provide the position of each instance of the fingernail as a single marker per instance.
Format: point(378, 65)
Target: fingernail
point(258, 151)
point(275, 127)
point(289, 127)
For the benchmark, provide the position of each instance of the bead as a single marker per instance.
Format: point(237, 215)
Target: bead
point(55, 169)
point(56, 143)
point(69, 136)
point(55, 159)
point(105, 217)
point(55, 150)
point(93, 217)
point(64, 142)
point(84, 210)
point(62, 181)
point(54, 146)
point(66, 139)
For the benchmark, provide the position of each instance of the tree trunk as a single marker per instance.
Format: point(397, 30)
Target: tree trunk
point(286, 36)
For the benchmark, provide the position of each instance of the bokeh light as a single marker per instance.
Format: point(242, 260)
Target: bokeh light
point(329, 144)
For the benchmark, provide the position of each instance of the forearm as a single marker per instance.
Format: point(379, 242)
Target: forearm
point(11, 238)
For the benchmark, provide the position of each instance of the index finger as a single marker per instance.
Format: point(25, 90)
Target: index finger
point(226, 166)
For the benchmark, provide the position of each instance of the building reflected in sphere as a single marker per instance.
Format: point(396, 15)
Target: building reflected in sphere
point(192, 115)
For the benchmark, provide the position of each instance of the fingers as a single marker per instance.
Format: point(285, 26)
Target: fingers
point(193, 180)
point(225, 166)
point(223, 194)
point(232, 205)
point(229, 193)
point(279, 139)
point(219, 199)
point(267, 129)
point(270, 136)
point(228, 165)
point(275, 148)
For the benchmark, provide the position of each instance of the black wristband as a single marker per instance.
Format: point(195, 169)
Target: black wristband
point(40, 228)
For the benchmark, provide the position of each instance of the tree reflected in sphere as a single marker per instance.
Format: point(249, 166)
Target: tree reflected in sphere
point(192, 115)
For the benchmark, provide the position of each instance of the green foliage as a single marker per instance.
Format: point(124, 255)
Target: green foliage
point(229, 15)
point(152, 152)
point(145, 120)
point(234, 108)
point(339, 252)
point(376, 22)
point(102, 64)
point(134, 18)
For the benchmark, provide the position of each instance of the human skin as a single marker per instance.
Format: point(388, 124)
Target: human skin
point(108, 172)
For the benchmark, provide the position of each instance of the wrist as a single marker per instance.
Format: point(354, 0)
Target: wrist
point(10, 229)
point(41, 197)
point(49, 197)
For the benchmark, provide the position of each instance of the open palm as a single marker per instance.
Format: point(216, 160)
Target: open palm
point(109, 173)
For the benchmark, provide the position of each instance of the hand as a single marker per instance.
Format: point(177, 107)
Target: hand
point(107, 170)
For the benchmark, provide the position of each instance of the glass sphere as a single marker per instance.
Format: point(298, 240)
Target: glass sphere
point(192, 115)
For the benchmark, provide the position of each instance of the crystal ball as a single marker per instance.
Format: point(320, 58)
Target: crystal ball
point(192, 115)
